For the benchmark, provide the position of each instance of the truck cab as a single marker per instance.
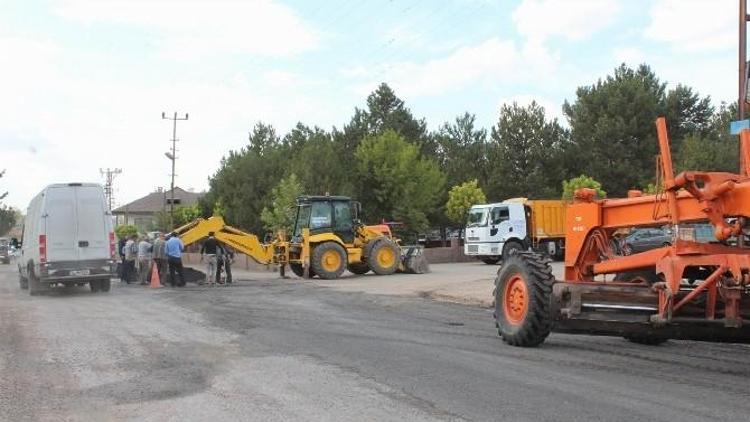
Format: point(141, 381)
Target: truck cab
point(496, 230)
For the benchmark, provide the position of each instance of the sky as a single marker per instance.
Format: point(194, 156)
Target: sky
point(83, 84)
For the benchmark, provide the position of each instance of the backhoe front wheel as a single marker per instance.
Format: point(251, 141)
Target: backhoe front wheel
point(328, 260)
point(383, 257)
point(523, 299)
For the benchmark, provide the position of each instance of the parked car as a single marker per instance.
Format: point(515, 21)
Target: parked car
point(5, 254)
point(68, 239)
point(640, 240)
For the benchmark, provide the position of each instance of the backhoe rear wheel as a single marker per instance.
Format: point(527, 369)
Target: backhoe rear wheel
point(383, 257)
point(328, 260)
point(523, 299)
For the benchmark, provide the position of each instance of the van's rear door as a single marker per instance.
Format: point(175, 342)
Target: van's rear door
point(60, 224)
point(92, 231)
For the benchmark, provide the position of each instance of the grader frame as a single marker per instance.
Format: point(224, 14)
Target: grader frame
point(687, 290)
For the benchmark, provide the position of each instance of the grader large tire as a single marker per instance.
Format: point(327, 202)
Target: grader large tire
point(383, 257)
point(523, 299)
point(328, 260)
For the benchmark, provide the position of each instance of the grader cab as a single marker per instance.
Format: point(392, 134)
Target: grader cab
point(683, 290)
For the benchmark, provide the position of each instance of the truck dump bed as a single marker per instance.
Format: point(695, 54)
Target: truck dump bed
point(547, 218)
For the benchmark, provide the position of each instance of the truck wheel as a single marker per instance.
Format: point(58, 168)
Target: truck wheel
point(491, 261)
point(328, 260)
point(383, 257)
point(105, 285)
point(359, 268)
point(23, 281)
point(523, 299)
point(511, 248)
point(646, 339)
point(94, 285)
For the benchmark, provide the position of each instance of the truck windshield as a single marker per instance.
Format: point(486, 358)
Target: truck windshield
point(477, 217)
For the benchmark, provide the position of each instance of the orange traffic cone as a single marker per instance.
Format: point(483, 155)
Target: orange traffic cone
point(155, 282)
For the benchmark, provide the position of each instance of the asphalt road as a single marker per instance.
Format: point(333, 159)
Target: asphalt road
point(290, 350)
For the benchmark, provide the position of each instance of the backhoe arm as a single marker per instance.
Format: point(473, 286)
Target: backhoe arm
point(245, 243)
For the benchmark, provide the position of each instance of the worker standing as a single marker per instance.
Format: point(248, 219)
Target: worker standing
point(131, 253)
point(121, 252)
point(208, 251)
point(144, 259)
point(160, 255)
point(174, 249)
point(224, 260)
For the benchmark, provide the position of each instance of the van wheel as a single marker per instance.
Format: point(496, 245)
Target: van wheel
point(94, 285)
point(491, 261)
point(34, 286)
point(105, 285)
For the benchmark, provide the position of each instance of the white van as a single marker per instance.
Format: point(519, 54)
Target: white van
point(68, 239)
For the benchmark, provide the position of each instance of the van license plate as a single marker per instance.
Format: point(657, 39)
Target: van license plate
point(80, 272)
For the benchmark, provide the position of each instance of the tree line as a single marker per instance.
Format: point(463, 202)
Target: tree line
point(388, 160)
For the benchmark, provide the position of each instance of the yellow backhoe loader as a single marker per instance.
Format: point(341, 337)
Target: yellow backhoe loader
point(327, 239)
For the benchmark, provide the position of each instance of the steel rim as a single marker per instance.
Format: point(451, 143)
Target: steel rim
point(331, 261)
point(386, 257)
point(515, 299)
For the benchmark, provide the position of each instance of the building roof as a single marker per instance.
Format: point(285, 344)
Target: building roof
point(157, 201)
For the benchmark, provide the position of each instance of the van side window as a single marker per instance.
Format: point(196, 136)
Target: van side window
point(499, 214)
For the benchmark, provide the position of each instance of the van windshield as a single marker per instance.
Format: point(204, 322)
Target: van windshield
point(477, 218)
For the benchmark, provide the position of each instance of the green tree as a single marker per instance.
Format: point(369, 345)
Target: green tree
point(570, 186)
point(8, 218)
point(687, 114)
point(395, 183)
point(281, 214)
point(385, 111)
point(460, 200)
point(612, 128)
point(186, 214)
point(125, 230)
point(526, 152)
point(462, 150)
point(715, 150)
point(245, 178)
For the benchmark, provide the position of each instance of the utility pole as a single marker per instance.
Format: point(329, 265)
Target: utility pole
point(172, 156)
point(109, 179)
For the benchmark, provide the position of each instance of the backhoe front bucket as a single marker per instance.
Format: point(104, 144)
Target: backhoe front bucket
point(413, 260)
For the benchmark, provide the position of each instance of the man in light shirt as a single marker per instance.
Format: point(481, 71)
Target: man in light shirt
point(144, 260)
point(174, 249)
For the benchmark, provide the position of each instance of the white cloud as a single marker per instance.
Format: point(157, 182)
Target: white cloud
point(571, 19)
point(191, 29)
point(491, 63)
point(694, 25)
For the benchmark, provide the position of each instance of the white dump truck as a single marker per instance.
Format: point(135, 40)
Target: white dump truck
point(494, 231)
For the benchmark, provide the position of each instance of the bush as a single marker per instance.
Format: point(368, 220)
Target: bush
point(582, 181)
point(125, 230)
